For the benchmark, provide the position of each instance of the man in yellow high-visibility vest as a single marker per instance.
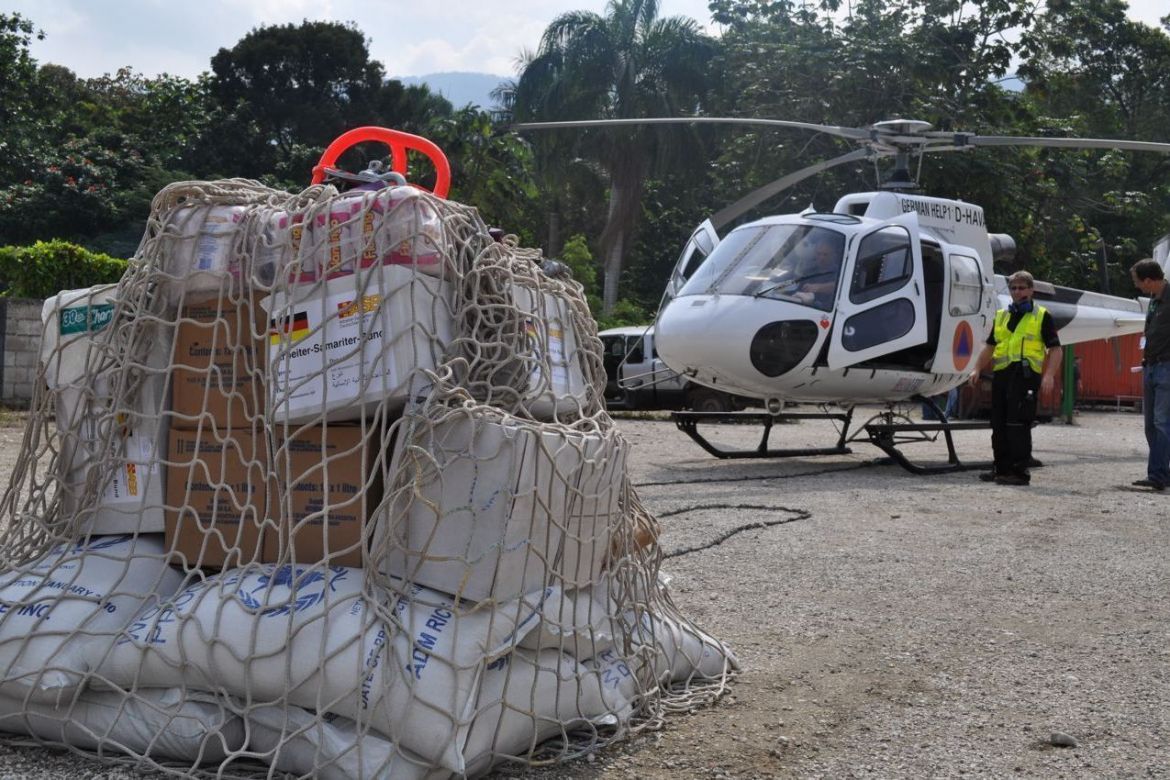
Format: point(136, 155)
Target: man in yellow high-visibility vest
point(1025, 352)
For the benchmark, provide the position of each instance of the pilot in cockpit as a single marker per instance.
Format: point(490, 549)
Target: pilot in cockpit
point(817, 276)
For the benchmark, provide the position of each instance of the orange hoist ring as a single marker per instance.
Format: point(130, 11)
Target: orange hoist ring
point(398, 142)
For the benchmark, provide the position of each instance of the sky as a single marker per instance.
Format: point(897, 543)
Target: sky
point(409, 37)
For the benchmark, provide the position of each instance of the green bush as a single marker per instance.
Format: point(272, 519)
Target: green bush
point(47, 267)
point(625, 312)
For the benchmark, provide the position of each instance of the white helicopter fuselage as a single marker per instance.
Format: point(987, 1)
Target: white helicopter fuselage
point(914, 300)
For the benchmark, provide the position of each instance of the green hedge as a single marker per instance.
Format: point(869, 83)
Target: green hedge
point(47, 267)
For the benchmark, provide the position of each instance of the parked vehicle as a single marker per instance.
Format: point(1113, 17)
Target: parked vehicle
point(636, 378)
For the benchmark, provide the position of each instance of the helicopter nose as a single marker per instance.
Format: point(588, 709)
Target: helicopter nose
point(778, 347)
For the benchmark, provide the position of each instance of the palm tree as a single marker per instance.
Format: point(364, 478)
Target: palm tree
point(624, 65)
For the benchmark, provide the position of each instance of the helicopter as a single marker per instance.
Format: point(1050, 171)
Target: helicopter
point(898, 310)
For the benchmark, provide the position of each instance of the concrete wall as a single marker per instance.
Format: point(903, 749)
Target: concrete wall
point(20, 339)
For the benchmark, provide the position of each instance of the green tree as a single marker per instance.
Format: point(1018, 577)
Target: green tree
point(18, 122)
point(627, 64)
point(1092, 71)
point(285, 92)
point(489, 170)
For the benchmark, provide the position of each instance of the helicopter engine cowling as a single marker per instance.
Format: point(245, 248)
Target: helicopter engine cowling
point(1003, 247)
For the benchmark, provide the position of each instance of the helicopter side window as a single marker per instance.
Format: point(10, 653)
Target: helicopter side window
point(882, 323)
point(966, 285)
point(884, 263)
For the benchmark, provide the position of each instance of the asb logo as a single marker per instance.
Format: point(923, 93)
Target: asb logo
point(963, 345)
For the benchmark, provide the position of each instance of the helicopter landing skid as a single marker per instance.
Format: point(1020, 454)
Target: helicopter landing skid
point(881, 431)
point(688, 423)
point(887, 436)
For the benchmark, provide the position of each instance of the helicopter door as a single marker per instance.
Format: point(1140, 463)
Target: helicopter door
point(881, 306)
point(963, 324)
point(701, 243)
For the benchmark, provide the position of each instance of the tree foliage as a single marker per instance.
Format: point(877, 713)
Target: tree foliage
point(629, 63)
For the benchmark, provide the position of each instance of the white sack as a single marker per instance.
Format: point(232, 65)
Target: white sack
point(491, 507)
point(684, 651)
point(583, 622)
point(59, 614)
point(309, 637)
point(527, 698)
point(330, 747)
point(165, 724)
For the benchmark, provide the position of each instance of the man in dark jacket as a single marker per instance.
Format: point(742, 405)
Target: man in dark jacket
point(1149, 277)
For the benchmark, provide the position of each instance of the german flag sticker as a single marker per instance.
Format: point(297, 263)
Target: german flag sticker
point(296, 327)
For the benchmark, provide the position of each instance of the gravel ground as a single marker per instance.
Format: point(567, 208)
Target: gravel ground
point(895, 626)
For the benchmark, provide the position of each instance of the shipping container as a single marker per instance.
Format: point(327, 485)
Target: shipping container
point(1107, 371)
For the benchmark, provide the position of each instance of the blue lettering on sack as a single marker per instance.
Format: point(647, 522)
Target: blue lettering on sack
point(296, 579)
point(71, 588)
point(38, 611)
point(151, 624)
point(615, 671)
point(425, 644)
point(372, 660)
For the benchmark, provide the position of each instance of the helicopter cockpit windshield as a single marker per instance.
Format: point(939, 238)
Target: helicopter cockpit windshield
point(799, 263)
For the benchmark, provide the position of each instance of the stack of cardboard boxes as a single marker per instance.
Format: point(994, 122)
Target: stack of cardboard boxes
point(270, 444)
point(238, 490)
point(270, 453)
point(217, 486)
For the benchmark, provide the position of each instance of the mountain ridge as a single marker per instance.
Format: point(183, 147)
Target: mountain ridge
point(460, 87)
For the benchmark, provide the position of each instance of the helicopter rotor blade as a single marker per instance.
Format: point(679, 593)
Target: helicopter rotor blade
point(853, 133)
point(965, 139)
point(758, 196)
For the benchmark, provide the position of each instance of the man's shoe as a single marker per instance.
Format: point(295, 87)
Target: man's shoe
point(1034, 463)
point(987, 476)
point(1149, 483)
point(1011, 479)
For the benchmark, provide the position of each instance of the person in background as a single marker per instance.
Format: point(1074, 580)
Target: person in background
point(949, 401)
point(1151, 280)
point(1077, 389)
point(1025, 353)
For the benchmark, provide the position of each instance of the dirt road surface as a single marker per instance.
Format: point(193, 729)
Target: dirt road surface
point(895, 626)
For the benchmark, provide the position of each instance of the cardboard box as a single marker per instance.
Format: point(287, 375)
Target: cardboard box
point(338, 348)
point(498, 508)
point(110, 441)
point(326, 487)
point(556, 381)
point(216, 498)
point(218, 365)
point(127, 496)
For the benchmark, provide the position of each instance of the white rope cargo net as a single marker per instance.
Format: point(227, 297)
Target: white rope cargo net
point(325, 486)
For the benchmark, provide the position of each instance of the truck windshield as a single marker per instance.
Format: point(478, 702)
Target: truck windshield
point(801, 263)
